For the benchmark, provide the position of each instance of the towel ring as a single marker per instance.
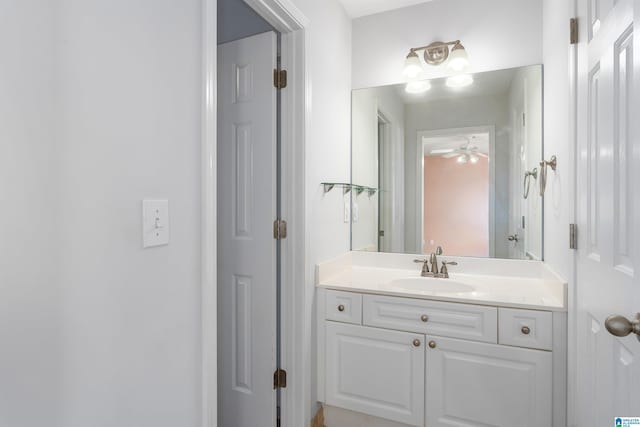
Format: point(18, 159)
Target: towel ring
point(553, 162)
point(527, 181)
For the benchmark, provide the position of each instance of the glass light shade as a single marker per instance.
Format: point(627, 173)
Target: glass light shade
point(462, 159)
point(458, 58)
point(419, 86)
point(460, 80)
point(412, 66)
point(473, 158)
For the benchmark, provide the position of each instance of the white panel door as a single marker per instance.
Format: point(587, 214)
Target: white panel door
point(471, 384)
point(608, 214)
point(246, 248)
point(376, 372)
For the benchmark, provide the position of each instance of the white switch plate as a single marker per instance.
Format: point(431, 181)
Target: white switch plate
point(155, 223)
point(347, 207)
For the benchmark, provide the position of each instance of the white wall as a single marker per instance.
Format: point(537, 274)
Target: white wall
point(128, 115)
point(496, 33)
point(30, 348)
point(99, 108)
point(457, 113)
point(237, 20)
point(559, 201)
point(559, 206)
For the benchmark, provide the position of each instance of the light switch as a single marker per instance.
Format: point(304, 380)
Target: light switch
point(347, 207)
point(155, 223)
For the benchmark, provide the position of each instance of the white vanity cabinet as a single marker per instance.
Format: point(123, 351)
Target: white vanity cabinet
point(476, 384)
point(375, 371)
point(436, 364)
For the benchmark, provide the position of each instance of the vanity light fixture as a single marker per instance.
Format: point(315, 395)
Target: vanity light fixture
point(460, 80)
point(436, 53)
point(458, 59)
point(418, 86)
point(412, 65)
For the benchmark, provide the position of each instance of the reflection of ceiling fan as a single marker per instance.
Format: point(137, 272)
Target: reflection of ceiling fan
point(466, 153)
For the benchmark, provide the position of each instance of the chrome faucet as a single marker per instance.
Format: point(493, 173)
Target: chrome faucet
point(433, 260)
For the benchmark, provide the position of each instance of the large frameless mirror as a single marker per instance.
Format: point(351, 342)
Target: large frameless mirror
point(436, 164)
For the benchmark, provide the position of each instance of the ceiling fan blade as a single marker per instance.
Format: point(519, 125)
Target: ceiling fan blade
point(450, 155)
point(477, 153)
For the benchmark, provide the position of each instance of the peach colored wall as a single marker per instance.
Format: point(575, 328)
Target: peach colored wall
point(456, 206)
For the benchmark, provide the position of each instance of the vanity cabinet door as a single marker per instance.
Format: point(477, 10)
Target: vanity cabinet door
point(376, 372)
point(478, 384)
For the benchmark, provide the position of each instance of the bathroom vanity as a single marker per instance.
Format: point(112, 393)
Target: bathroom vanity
point(485, 347)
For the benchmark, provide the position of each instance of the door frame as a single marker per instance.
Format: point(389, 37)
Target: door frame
point(491, 130)
point(296, 324)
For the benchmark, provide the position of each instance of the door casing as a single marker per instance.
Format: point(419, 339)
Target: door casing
point(296, 304)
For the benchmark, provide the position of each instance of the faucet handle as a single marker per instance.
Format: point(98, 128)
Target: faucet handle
point(439, 250)
point(444, 271)
point(425, 265)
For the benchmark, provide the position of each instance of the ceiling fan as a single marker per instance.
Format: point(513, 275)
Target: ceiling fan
point(466, 153)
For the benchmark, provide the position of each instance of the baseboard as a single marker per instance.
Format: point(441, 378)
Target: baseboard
point(318, 419)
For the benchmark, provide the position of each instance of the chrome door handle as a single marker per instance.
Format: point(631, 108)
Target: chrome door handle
point(620, 326)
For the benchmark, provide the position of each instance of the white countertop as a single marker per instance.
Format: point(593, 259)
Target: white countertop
point(503, 283)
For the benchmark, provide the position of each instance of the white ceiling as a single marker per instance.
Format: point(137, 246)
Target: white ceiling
point(358, 8)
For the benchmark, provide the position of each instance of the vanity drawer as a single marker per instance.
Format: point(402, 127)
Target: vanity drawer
point(525, 328)
point(446, 319)
point(344, 307)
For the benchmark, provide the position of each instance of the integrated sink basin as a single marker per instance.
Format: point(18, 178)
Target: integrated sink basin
point(427, 284)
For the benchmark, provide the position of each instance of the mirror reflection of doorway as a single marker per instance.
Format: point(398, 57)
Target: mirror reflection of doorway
point(457, 189)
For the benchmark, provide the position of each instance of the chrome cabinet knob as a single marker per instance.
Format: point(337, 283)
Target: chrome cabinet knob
point(432, 344)
point(424, 318)
point(341, 307)
point(620, 326)
point(513, 238)
point(525, 330)
point(416, 343)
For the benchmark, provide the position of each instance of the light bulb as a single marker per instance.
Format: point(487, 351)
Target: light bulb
point(419, 86)
point(473, 158)
point(458, 59)
point(462, 159)
point(412, 66)
point(460, 80)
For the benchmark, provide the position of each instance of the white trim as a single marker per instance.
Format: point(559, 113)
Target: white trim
point(209, 221)
point(491, 130)
point(296, 304)
point(572, 293)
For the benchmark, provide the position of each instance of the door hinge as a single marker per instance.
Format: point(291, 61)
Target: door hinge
point(280, 378)
point(279, 229)
point(573, 236)
point(573, 30)
point(279, 79)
